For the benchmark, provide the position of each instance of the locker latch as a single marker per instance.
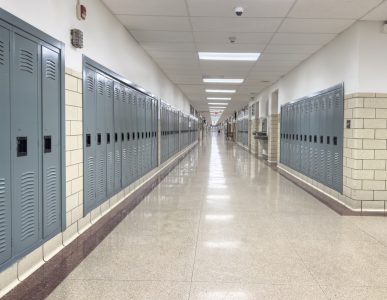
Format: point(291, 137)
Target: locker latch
point(21, 146)
point(47, 144)
point(99, 139)
point(108, 138)
point(88, 140)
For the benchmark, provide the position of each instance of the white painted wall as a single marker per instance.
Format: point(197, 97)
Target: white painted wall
point(357, 57)
point(105, 40)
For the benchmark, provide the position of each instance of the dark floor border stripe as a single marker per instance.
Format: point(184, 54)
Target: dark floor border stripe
point(322, 197)
point(325, 199)
point(44, 280)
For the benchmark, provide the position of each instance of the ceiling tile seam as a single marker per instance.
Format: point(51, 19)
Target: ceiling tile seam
point(372, 9)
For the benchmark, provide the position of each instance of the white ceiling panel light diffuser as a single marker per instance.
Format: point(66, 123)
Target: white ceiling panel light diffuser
point(221, 91)
point(213, 103)
point(219, 98)
point(229, 56)
point(223, 80)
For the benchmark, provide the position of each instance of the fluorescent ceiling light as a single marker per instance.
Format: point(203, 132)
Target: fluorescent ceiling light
point(218, 98)
point(217, 107)
point(221, 91)
point(217, 103)
point(229, 56)
point(222, 80)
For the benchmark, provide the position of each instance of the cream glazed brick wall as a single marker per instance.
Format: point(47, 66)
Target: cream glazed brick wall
point(273, 135)
point(365, 150)
point(254, 142)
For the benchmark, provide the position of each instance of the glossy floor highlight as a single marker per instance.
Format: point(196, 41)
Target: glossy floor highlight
point(223, 225)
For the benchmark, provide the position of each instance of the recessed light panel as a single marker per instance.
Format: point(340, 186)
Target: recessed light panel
point(219, 98)
point(220, 91)
point(213, 103)
point(229, 56)
point(222, 80)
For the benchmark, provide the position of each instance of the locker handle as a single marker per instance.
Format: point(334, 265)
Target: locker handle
point(315, 138)
point(21, 149)
point(142, 135)
point(310, 139)
point(335, 140)
point(138, 135)
point(133, 136)
point(328, 140)
point(128, 136)
point(116, 137)
point(122, 137)
point(305, 140)
point(322, 139)
point(108, 138)
point(47, 144)
point(88, 140)
point(99, 139)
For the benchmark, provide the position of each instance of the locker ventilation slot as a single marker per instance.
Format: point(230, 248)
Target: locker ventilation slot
point(50, 69)
point(100, 87)
point(27, 205)
point(90, 165)
point(101, 180)
point(26, 61)
point(2, 216)
point(109, 90)
point(110, 173)
point(90, 83)
point(2, 59)
point(51, 192)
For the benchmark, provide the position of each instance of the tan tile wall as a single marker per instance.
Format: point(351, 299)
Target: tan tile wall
point(254, 143)
point(273, 135)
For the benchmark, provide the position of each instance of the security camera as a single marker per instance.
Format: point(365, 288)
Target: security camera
point(239, 11)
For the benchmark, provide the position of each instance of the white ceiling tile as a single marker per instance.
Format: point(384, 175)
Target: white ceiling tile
point(174, 54)
point(302, 38)
point(283, 56)
point(223, 37)
point(378, 14)
point(253, 8)
point(161, 46)
point(161, 36)
point(314, 25)
point(147, 7)
point(228, 47)
point(236, 24)
point(155, 23)
point(279, 48)
point(332, 9)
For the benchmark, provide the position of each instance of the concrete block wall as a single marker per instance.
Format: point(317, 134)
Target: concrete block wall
point(273, 138)
point(76, 223)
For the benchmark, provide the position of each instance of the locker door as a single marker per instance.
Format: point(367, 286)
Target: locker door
point(148, 152)
point(310, 137)
point(322, 138)
point(316, 137)
point(338, 139)
point(128, 135)
point(139, 135)
point(117, 136)
point(89, 103)
point(100, 148)
point(25, 143)
point(109, 123)
point(329, 154)
point(135, 135)
point(5, 154)
point(123, 136)
point(52, 195)
point(130, 130)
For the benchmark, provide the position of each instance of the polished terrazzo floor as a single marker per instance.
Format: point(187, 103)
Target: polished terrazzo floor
point(223, 225)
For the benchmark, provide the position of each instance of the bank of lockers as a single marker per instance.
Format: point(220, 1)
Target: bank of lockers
point(31, 147)
point(120, 134)
point(242, 128)
point(312, 136)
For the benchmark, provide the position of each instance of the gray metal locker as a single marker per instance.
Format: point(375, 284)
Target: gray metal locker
point(135, 135)
point(89, 101)
point(100, 145)
point(25, 139)
point(51, 91)
point(5, 154)
point(117, 135)
point(123, 136)
point(330, 133)
point(323, 126)
point(109, 138)
point(338, 139)
point(128, 137)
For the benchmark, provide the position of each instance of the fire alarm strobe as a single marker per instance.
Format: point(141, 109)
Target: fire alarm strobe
point(81, 11)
